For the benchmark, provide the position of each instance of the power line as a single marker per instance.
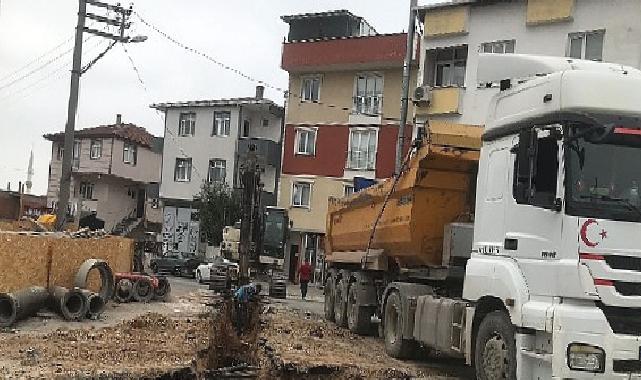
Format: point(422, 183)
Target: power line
point(50, 75)
point(249, 77)
point(36, 59)
point(159, 114)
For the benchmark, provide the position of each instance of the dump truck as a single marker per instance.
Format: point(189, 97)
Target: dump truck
point(514, 247)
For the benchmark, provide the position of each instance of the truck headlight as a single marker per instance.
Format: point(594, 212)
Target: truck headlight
point(584, 357)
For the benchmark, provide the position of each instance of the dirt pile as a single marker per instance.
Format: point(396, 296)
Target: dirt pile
point(299, 346)
point(146, 346)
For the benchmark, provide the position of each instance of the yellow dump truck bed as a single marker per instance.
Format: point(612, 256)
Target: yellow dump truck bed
point(436, 188)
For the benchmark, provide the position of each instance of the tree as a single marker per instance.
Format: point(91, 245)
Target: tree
point(219, 206)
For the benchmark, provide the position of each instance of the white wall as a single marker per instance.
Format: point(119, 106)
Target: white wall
point(201, 147)
point(621, 20)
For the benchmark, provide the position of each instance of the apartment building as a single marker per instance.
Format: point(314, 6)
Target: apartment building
point(456, 32)
point(112, 167)
point(205, 141)
point(342, 118)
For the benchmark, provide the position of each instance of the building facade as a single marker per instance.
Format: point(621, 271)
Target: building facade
point(456, 32)
point(205, 142)
point(342, 119)
point(112, 167)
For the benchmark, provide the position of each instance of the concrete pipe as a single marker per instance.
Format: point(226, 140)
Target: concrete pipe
point(95, 304)
point(124, 291)
point(22, 304)
point(161, 293)
point(106, 276)
point(71, 304)
point(143, 290)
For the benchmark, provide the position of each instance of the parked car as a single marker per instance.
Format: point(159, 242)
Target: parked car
point(189, 266)
point(203, 272)
point(166, 264)
point(176, 264)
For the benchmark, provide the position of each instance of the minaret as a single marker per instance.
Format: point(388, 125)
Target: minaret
point(29, 183)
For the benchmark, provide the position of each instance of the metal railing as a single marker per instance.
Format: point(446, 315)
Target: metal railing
point(369, 105)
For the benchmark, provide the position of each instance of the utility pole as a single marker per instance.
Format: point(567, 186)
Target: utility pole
point(77, 70)
point(400, 143)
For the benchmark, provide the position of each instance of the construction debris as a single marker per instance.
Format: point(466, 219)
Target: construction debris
point(71, 304)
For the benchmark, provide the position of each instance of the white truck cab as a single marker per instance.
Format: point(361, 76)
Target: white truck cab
point(557, 234)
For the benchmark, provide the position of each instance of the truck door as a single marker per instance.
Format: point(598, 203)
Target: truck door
point(533, 218)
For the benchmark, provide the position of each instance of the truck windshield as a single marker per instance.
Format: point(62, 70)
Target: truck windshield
point(603, 178)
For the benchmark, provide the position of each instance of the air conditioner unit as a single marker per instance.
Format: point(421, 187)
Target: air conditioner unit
point(423, 95)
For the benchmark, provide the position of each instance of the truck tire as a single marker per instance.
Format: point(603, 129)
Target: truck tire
point(329, 299)
point(395, 345)
point(340, 303)
point(495, 353)
point(358, 318)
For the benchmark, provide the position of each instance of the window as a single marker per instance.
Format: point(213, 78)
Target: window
point(498, 47)
point(130, 153)
point(95, 151)
point(217, 171)
point(222, 123)
point(61, 151)
point(450, 66)
point(301, 194)
point(587, 45)
point(536, 167)
point(76, 154)
point(369, 94)
point(246, 128)
point(86, 190)
point(265, 123)
point(362, 149)
point(348, 190)
point(187, 124)
point(182, 173)
point(305, 141)
point(310, 89)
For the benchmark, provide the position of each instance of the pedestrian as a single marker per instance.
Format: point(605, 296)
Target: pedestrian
point(304, 275)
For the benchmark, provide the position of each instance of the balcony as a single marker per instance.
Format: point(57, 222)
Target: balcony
point(369, 105)
point(268, 151)
point(378, 51)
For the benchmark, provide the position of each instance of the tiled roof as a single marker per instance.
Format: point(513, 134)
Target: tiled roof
point(129, 132)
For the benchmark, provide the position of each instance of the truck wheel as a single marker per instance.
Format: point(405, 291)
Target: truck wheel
point(358, 319)
point(495, 354)
point(340, 303)
point(395, 345)
point(329, 299)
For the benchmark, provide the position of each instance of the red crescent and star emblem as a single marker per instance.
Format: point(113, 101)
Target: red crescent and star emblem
point(584, 233)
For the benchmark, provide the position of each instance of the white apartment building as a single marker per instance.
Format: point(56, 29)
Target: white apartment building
point(455, 32)
point(205, 141)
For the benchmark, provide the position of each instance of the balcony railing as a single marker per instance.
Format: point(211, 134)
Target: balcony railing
point(371, 105)
point(268, 151)
point(358, 160)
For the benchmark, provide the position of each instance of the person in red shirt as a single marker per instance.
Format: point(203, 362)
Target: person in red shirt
point(304, 275)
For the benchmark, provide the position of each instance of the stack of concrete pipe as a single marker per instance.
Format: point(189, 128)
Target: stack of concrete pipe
point(73, 304)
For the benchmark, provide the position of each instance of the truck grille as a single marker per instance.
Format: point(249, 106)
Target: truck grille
point(627, 366)
point(624, 262)
point(623, 320)
point(628, 288)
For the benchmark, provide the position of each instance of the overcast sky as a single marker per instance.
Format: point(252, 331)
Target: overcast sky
point(245, 34)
